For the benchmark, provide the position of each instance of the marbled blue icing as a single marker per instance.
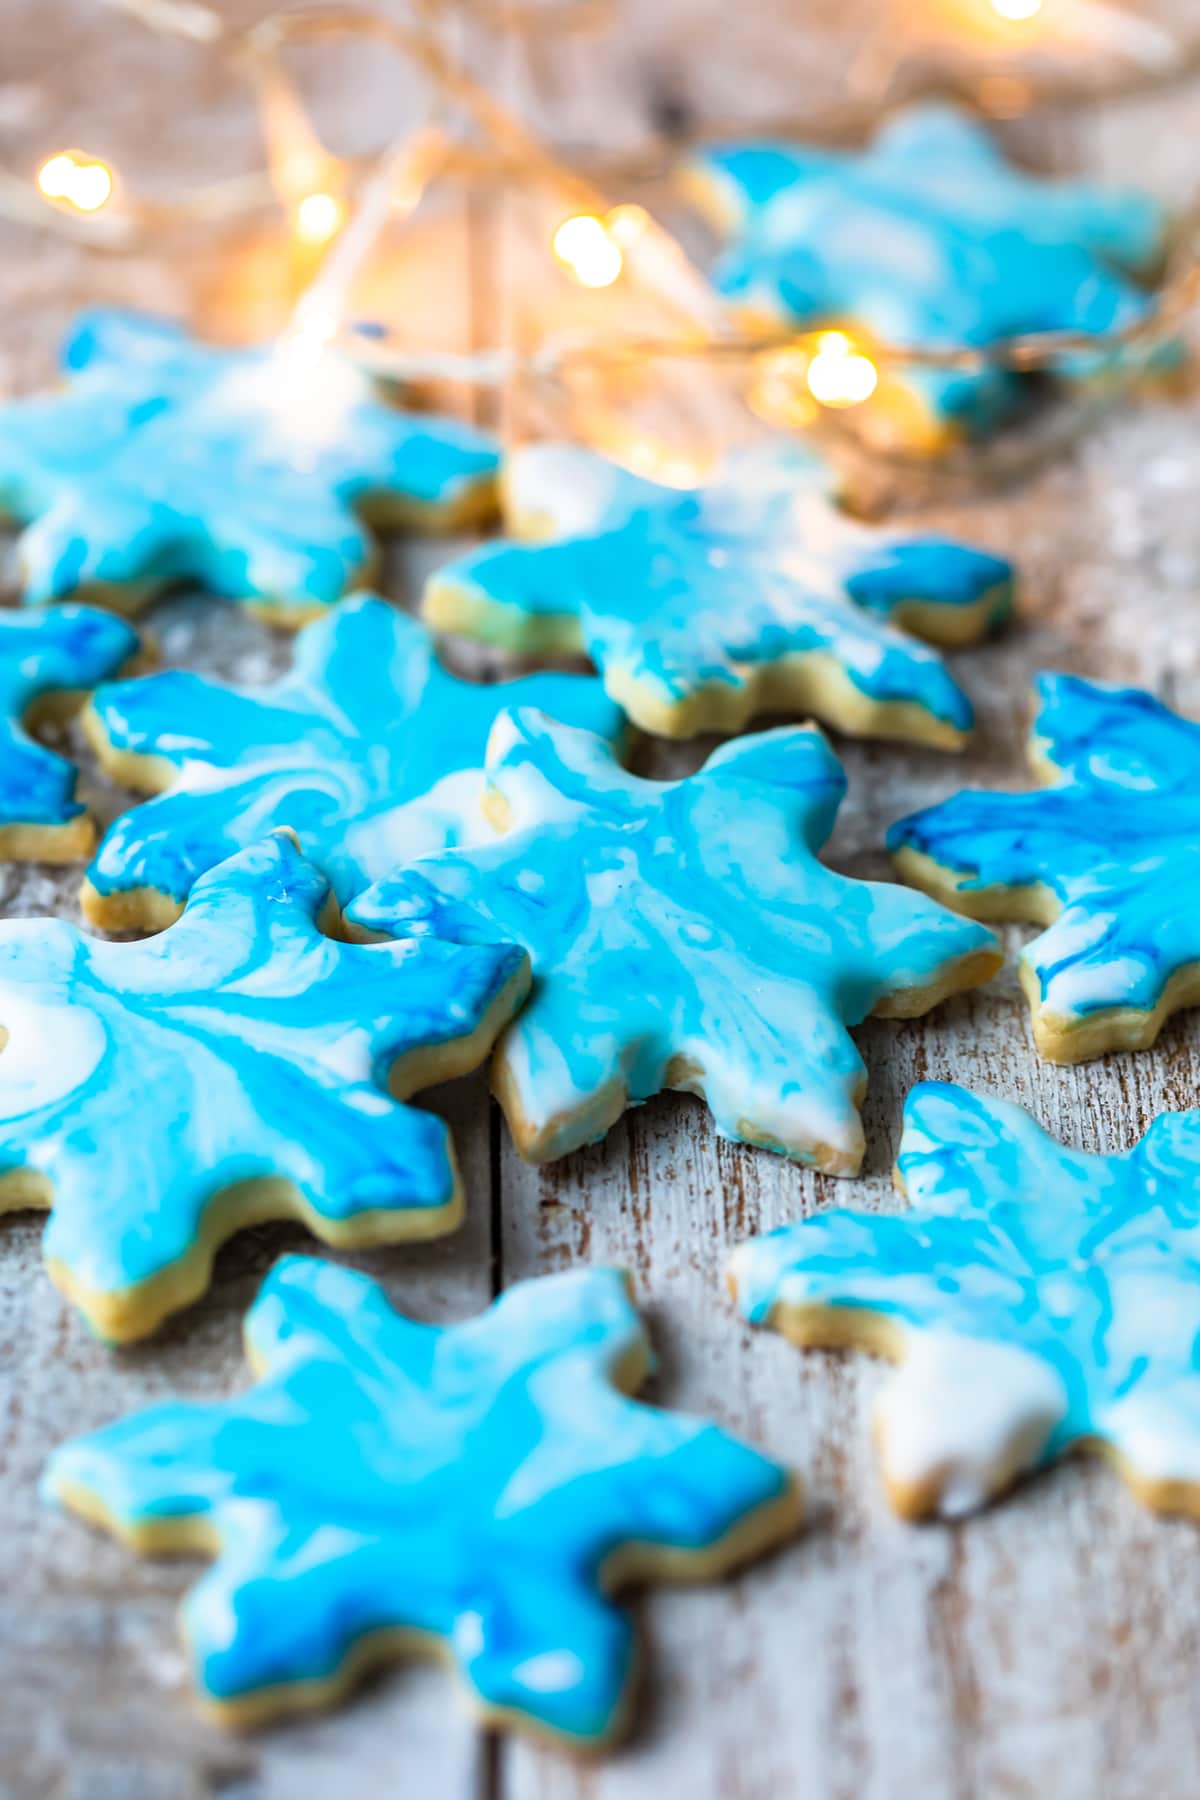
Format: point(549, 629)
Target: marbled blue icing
point(369, 750)
point(65, 648)
point(1079, 1273)
point(164, 460)
point(929, 238)
point(685, 919)
point(1116, 840)
point(678, 592)
point(142, 1080)
point(469, 1483)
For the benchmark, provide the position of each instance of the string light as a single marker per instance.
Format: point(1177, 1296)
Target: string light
point(319, 217)
point(626, 224)
point(76, 180)
point(586, 251)
point(840, 374)
point(805, 381)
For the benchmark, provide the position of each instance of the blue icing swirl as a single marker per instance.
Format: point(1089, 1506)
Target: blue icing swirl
point(468, 1483)
point(1115, 841)
point(928, 237)
point(677, 594)
point(682, 934)
point(65, 649)
point(244, 471)
point(1064, 1281)
point(368, 749)
point(143, 1081)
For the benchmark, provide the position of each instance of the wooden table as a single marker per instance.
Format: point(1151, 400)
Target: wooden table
point(1049, 1647)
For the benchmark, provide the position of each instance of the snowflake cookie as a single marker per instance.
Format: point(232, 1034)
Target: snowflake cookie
point(683, 935)
point(49, 662)
point(705, 606)
point(162, 1095)
point(252, 473)
point(392, 1488)
point(927, 238)
point(1108, 857)
point(1039, 1300)
point(369, 750)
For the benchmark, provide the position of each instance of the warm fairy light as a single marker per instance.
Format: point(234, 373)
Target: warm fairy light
point(593, 250)
point(626, 224)
point(318, 218)
point(840, 374)
point(75, 180)
point(583, 246)
point(1017, 10)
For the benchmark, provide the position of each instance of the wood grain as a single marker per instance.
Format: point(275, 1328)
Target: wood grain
point(1049, 1647)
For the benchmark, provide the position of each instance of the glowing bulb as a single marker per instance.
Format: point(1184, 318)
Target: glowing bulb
point(1017, 10)
point(839, 374)
point(78, 181)
point(626, 224)
point(318, 218)
point(586, 250)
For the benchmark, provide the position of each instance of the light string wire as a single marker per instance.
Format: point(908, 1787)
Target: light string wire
point(393, 182)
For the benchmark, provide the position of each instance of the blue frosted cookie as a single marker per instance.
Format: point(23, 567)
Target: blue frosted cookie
point(49, 662)
point(683, 934)
point(368, 749)
point(928, 238)
point(755, 593)
point(1107, 857)
point(252, 473)
point(161, 1095)
point(390, 1488)
point(1039, 1301)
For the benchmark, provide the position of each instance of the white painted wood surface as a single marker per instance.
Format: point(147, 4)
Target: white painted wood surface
point(1050, 1647)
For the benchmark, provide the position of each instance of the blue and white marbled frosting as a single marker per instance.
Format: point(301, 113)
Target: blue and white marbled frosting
point(368, 749)
point(703, 606)
point(1042, 1300)
point(246, 471)
point(1114, 844)
point(141, 1083)
point(64, 650)
point(476, 1485)
point(929, 238)
point(682, 934)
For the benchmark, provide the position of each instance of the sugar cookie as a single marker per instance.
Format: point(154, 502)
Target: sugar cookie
point(49, 661)
point(252, 473)
point(391, 1488)
point(704, 607)
point(683, 935)
point(927, 238)
point(162, 1095)
point(1107, 857)
point(1039, 1300)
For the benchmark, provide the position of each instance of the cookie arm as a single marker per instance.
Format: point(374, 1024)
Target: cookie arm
point(524, 598)
point(149, 1478)
point(731, 183)
point(879, 1272)
point(37, 787)
point(955, 1144)
point(1125, 227)
point(988, 853)
point(112, 541)
point(298, 565)
point(1120, 738)
point(143, 728)
point(944, 591)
